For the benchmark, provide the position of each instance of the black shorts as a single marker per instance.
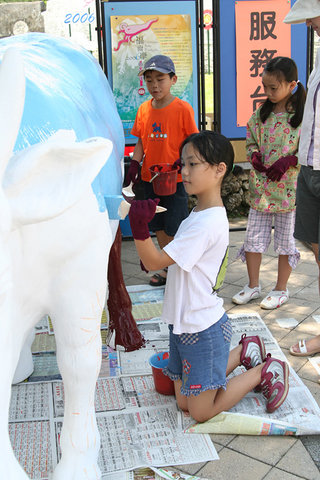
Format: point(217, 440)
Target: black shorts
point(308, 206)
point(176, 205)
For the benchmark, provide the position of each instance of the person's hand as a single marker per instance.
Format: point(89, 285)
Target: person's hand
point(257, 162)
point(178, 164)
point(133, 172)
point(140, 214)
point(279, 168)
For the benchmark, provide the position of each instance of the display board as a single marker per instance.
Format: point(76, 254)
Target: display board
point(247, 31)
point(135, 31)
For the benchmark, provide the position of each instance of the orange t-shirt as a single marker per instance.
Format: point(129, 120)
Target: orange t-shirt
point(162, 131)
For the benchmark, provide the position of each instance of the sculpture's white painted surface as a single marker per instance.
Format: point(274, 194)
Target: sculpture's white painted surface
point(54, 247)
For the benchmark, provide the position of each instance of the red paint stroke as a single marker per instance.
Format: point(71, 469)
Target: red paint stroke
point(131, 31)
point(119, 304)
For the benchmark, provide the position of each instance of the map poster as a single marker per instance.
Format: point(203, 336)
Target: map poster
point(136, 38)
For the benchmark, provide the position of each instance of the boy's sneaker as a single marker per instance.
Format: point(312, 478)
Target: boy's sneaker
point(247, 294)
point(253, 351)
point(274, 382)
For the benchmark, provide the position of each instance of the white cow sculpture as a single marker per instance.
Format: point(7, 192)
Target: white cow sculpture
point(54, 247)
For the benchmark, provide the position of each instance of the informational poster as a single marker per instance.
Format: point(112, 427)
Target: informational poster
point(166, 28)
point(135, 39)
point(260, 36)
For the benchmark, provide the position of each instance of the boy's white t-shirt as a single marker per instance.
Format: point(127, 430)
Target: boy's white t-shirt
point(198, 249)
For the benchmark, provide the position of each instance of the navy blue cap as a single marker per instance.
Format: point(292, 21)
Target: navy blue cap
point(160, 63)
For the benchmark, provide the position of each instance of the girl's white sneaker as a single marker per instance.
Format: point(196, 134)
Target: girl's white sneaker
point(275, 299)
point(247, 294)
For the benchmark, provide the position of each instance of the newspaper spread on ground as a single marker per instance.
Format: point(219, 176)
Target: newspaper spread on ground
point(152, 474)
point(298, 415)
point(139, 427)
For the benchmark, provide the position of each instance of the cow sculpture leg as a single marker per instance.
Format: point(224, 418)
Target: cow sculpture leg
point(78, 338)
point(25, 364)
point(79, 357)
point(10, 469)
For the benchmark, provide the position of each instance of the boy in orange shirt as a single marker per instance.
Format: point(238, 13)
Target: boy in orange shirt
point(161, 125)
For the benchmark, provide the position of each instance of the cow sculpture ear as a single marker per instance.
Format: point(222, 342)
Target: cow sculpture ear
point(12, 94)
point(44, 180)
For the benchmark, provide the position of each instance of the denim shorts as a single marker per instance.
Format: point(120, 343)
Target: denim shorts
point(307, 227)
point(200, 359)
point(177, 209)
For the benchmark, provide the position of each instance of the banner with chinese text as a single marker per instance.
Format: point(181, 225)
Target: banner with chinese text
point(260, 36)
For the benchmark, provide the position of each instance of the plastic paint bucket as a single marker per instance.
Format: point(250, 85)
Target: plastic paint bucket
point(162, 383)
point(164, 178)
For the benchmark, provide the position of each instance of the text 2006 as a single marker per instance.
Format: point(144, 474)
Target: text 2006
point(77, 17)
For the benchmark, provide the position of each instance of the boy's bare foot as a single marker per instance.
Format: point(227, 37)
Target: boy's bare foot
point(305, 348)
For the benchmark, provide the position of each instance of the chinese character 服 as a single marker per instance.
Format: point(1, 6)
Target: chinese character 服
point(262, 25)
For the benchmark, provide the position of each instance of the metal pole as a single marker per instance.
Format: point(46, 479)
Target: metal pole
point(310, 51)
point(208, 41)
point(104, 40)
point(198, 67)
point(216, 66)
point(202, 68)
point(98, 29)
point(90, 33)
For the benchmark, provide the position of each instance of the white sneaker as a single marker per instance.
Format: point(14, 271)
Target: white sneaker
point(247, 294)
point(275, 299)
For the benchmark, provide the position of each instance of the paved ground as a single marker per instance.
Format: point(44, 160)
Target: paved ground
point(257, 458)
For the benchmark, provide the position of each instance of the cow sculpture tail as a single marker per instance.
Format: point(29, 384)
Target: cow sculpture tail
point(119, 303)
